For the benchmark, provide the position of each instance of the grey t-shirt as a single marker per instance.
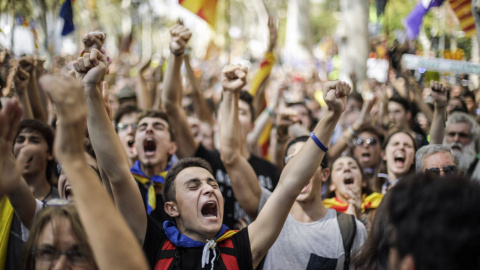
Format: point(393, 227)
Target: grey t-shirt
point(316, 245)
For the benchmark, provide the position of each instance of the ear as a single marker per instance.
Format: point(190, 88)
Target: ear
point(332, 188)
point(382, 154)
point(409, 116)
point(325, 174)
point(407, 263)
point(49, 155)
point(173, 148)
point(171, 209)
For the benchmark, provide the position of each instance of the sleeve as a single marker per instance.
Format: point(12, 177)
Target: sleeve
point(154, 238)
point(243, 251)
point(263, 198)
point(25, 231)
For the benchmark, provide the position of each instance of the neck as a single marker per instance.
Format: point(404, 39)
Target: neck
point(393, 176)
point(309, 211)
point(151, 170)
point(39, 185)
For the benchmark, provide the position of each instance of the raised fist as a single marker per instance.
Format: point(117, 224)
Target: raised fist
point(27, 63)
point(439, 93)
point(93, 40)
point(335, 95)
point(179, 38)
point(234, 78)
point(91, 68)
point(20, 79)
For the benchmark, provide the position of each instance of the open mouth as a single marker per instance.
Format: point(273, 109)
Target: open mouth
point(210, 210)
point(456, 148)
point(130, 143)
point(149, 146)
point(348, 180)
point(399, 159)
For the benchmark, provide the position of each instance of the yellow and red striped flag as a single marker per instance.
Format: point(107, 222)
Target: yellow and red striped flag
point(463, 11)
point(205, 9)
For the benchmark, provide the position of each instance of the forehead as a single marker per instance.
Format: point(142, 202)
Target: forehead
point(438, 159)
point(152, 120)
point(57, 230)
point(243, 105)
point(30, 133)
point(400, 137)
point(366, 134)
point(344, 160)
point(392, 105)
point(294, 148)
point(462, 126)
point(129, 118)
point(191, 173)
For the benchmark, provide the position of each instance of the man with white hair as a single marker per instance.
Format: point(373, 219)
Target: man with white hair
point(436, 160)
point(461, 135)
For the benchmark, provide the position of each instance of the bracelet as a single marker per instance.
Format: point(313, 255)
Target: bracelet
point(318, 142)
point(175, 53)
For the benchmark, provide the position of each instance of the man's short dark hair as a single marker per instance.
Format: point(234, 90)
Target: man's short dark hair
point(157, 114)
point(402, 101)
point(356, 96)
point(323, 164)
point(437, 221)
point(124, 111)
point(33, 125)
point(246, 97)
point(169, 183)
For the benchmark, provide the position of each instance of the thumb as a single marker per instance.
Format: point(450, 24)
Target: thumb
point(23, 157)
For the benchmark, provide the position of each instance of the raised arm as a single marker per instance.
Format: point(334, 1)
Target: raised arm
point(173, 92)
point(112, 160)
point(265, 229)
point(242, 177)
point(27, 63)
point(141, 88)
point(113, 244)
point(11, 182)
point(437, 130)
point(21, 79)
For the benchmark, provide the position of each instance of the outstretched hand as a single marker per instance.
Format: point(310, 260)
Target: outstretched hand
point(234, 78)
point(93, 40)
point(91, 68)
point(180, 35)
point(439, 93)
point(335, 95)
point(11, 169)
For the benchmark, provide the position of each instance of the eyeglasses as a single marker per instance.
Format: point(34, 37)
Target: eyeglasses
point(122, 126)
point(435, 171)
point(49, 255)
point(369, 141)
point(462, 135)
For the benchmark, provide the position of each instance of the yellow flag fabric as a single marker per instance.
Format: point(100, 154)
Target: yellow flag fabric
point(265, 69)
point(6, 217)
point(463, 11)
point(205, 9)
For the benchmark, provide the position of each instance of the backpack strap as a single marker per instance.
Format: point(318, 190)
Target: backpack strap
point(167, 256)
point(227, 252)
point(348, 229)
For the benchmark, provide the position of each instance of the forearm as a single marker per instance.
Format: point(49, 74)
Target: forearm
point(230, 128)
point(423, 106)
point(35, 101)
point(23, 202)
point(112, 242)
point(144, 102)
point(262, 121)
point(172, 85)
point(437, 130)
point(27, 108)
point(337, 149)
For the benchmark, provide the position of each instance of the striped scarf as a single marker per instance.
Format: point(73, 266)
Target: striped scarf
point(368, 202)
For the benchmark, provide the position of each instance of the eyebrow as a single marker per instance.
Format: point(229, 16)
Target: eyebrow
point(197, 180)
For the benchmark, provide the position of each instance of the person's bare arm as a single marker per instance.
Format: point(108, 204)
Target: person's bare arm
point(201, 107)
point(21, 79)
point(244, 184)
point(11, 182)
point(90, 70)
point(173, 89)
point(113, 244)
point(418, 99)
point(27, 63)
point(141, 88)
point(265, 229)
point(437, 130)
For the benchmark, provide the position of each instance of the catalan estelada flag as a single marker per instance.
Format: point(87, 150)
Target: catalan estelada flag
point(205, 9)
point(463, 11)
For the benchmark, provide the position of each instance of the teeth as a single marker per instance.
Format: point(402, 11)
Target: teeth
point(68, 188)
point(149, 140)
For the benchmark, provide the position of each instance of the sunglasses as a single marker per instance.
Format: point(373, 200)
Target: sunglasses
point(435, 171)
point(368, 141)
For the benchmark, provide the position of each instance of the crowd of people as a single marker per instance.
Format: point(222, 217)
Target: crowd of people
point(165, 169)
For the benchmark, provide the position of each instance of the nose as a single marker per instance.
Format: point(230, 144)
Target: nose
point(456, 138)
point(208, 189)
point(61, 263)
